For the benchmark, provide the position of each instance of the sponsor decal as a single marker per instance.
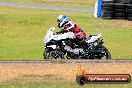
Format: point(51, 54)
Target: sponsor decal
point(108, 78)
point(82, 78)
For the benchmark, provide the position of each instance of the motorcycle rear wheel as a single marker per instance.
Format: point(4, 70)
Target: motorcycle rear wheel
point(105, 51)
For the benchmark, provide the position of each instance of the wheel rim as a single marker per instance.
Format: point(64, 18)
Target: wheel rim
point(105, 52)
point(54, 55)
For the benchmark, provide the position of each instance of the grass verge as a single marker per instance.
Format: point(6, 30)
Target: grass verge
point(70, 3)
point(22, 31)
point(64, 85)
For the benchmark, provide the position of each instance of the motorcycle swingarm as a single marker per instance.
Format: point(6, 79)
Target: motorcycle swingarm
point(96, 51)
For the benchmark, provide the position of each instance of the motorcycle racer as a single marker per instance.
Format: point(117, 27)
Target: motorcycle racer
point(58, 45)
point(69, 25)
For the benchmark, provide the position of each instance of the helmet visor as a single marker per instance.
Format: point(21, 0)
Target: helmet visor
point(58, 20)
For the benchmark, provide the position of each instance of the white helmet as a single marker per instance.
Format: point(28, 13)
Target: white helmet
point(61, 18)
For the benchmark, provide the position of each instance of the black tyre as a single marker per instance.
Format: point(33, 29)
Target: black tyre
point(129, 11)
point(107, 5)
point(46, 54)
point(119, 10)
point(129, 15)
point(129, 6)
point(107, 8)
point(128, 2)
point(119, 15)
point(54, 54)
point(129, 18)
point(81, 80)
point(107, 1)
point(123, 1)
point(107, 15)
point(118, 1)
point(106, 12)
point(107, 18)
point(106, 54)
point(119, 6)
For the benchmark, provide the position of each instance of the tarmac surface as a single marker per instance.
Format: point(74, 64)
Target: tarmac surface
point(44, 6)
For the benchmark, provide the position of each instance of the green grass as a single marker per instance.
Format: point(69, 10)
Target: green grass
point(64, 85)
point(22, 31)
point(70, 3)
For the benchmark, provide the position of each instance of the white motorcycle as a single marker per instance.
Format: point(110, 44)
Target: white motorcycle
point(58, 45)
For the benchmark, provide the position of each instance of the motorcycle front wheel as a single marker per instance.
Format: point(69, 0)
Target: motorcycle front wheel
point(46, 54)
point(53, 54)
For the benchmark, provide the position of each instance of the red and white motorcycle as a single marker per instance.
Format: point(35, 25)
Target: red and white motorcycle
point(58, 45)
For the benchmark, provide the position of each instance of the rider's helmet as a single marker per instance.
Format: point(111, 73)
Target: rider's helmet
point(62, 19)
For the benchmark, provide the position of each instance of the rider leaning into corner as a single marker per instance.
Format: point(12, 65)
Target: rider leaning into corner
point(69, 25)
